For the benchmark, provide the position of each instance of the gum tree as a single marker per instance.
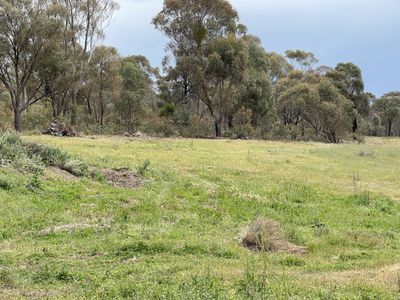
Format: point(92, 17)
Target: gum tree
point(28, 31)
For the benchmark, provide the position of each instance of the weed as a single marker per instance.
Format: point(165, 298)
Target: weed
point(64, 275)
point(319, 228)
point(35, 182)
point(143, 167)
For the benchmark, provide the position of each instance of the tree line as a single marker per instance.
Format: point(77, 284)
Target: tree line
point(216, 79)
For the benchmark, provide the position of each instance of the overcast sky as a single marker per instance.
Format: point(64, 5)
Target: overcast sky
point(366, 32)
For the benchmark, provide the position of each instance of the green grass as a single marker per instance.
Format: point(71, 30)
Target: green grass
point(178, 236)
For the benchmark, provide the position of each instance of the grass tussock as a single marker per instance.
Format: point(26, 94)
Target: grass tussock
point(33, 157)
point(266, 235)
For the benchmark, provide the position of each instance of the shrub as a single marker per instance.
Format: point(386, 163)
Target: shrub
point(198, 128)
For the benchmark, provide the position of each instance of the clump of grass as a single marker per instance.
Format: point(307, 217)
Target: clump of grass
point(319, 228)
point(48, 155)
point(292, 261)
point(262, 235)
point(143, 167)
point(266, 235)
point(6, 280)
point(4, 184)
point(11, 147)
point(34, 157)
point(76, 167)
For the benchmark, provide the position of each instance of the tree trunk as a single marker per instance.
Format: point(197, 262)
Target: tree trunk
point(74, 107)
point(217, 124)
point(17, 119)
point(355, 125)
point(389, 128)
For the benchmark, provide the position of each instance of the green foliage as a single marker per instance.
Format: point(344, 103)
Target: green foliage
point(76, 167)
point(143, 167)
point(292, 261)
point(11, 147)
point(4, 184)
point(35, 182)
point(168, 110)
point(33, 157)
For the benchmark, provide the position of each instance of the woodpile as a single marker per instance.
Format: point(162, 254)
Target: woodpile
point(60, 129)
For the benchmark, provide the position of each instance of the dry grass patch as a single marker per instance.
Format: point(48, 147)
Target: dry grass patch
point(266, 235)
point(122, 177)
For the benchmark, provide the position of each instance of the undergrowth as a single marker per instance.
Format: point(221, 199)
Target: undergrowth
point(33, 157)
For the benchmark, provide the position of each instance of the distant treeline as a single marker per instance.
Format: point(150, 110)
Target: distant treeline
point(216, 79)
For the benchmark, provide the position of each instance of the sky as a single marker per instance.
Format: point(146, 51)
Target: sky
point(365, 32)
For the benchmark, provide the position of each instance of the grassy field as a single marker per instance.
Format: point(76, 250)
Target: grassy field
point(178, 235)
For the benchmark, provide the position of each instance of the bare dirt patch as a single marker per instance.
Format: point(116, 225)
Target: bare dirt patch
point(266, 236)
point(122, 177)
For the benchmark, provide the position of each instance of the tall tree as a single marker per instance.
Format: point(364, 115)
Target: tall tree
point(348, 79)
point(84, 24)
point(27, 32)
point(104, 81)
point(389, 107)
point(137, 91)
point(203, 34)
point(302, 60)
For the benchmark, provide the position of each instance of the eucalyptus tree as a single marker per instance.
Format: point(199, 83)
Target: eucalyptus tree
point(389, 108)
point(137, 94)
point(257, 90)
point(278, 66)
point(347, 77)
point(205, 42)
point(103, 83)
point(84, 24)
point(28, 33)
point(301, 60)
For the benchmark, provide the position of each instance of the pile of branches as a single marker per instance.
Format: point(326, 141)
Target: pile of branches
point(60, 129)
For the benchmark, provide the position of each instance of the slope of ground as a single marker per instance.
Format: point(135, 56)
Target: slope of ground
point(178, 236)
